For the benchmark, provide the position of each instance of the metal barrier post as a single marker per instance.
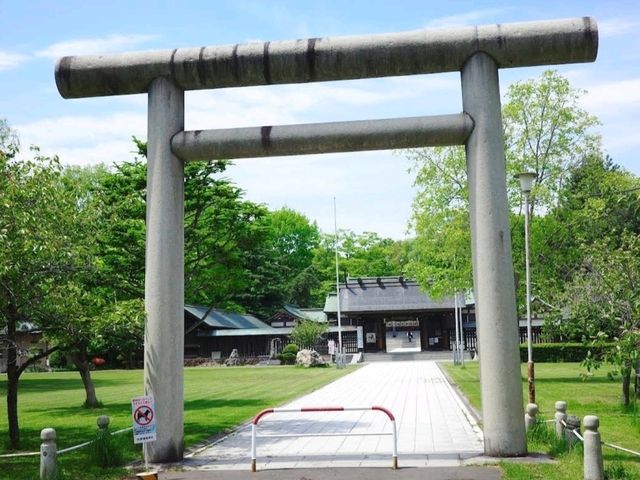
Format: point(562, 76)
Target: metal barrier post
point(394, 460)
point(253, 447)
point(267, 411)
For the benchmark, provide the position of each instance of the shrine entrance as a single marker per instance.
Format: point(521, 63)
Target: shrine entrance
point(476, 52)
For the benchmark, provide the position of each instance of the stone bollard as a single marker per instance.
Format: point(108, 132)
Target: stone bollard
point(530, 416)
point(103, 422)
point(573, 423)
point(560, 416)
point(593, 464)
point(48, 455)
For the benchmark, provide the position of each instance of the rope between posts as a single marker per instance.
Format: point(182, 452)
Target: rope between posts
point(64, 450)
point(610, 445)
point(574, 431)
point(77, 447)
point(26, 454)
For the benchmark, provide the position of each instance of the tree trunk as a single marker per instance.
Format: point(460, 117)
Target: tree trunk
point(12, 408)
point(626, 384)
point(13, 375)
point(81, 361)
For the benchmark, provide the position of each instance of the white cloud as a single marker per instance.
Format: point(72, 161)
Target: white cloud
point(610, 99)
point(613, 27)
point(278, 105)
point(467, 18)
point(86, 46)
point(11, 60)
point(362, 182)
point(86, 140)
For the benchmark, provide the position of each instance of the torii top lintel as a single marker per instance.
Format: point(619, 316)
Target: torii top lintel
point(573, 40)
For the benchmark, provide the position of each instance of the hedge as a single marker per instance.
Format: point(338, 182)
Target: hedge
point(288, 355)
point(561, 352)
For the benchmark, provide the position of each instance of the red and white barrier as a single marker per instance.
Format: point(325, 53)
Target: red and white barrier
point(254, 425)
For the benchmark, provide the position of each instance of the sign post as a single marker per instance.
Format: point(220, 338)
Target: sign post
point(143, 413)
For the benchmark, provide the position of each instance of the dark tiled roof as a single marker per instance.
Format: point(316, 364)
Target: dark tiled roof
point(384, 294)
point(222, 319)
point(264, 331)
point(313, 314)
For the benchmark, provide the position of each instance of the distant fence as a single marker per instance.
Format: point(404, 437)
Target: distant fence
point(471, 337)
point(349, 342)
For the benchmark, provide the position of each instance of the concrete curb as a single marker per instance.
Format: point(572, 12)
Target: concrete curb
point(463, 398)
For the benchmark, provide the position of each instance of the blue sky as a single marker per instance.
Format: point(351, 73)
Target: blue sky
point(373, 189)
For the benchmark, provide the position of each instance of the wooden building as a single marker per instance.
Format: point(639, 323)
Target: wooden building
point(29, 341)
point(395, 315)
point(378, 314)
point(217, 333)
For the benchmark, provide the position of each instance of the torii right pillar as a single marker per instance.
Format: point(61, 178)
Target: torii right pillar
point(501, 389)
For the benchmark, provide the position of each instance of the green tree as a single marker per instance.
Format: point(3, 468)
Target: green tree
point(42, 260)
point(597, 203)
point(238, 255)
point(289, 248)
point(546, 132)
point(441, 260)
point(604, 301)
point(588, 261)
point(307, 333)
point(360, 255)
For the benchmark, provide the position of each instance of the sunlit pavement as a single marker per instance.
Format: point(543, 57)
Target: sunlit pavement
point(434, 426)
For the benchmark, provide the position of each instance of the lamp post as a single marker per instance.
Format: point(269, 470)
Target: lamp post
point(526, 182)
point(339, 356)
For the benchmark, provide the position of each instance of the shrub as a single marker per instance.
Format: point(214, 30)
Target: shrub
point(617, 471)
point(106, 450)
point(288, 355)
point(58, 360)
point(320, 365)
point(307, 332)
point(291, 348)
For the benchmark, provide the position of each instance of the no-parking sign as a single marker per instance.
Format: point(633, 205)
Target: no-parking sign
point(143, 412)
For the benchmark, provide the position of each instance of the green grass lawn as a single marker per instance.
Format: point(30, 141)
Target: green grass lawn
point(216, 399)
point(595, 395)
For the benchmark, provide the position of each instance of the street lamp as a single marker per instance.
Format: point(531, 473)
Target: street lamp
point(526, 182)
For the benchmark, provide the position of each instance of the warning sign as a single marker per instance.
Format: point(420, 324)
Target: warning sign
point(144, 419)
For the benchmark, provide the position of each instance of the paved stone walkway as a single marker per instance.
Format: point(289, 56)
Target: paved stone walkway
point(434, 426)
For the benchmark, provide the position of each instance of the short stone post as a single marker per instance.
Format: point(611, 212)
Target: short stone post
point(560, 416)
point(48, 454)
point(530, 417)
point(103, 422)
point(593, 464)
point(573, 423)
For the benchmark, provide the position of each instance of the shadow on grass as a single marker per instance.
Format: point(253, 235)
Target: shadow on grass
point(38, 385)
point(125, 407)
point(577, 379)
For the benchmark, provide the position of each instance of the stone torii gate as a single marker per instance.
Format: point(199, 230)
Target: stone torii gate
point(477, 52)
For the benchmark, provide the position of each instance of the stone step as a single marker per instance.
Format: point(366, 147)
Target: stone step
point(409, 356)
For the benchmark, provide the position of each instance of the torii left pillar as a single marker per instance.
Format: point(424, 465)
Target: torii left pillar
point(164, 279)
